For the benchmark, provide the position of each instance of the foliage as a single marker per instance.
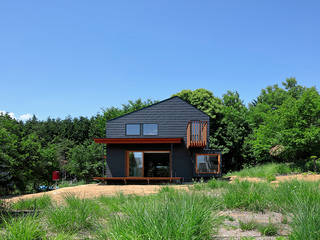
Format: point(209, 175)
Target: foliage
point(289, 118)
point(282, 125)
point(85, 161)
point(266, 170)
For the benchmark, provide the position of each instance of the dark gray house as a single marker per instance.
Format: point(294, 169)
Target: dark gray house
point(164, 141)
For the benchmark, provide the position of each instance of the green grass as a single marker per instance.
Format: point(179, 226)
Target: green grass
point(268, 171)
point(39, 203)
point(170, 214)
point(23, 228)
point(167, 215)
point(211, 184)
point(248, 226)
point(64, 184)
point(247, 196)
point(78, 214)
point(269, 229)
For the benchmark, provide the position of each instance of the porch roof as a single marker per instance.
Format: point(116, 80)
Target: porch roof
point(136, 140)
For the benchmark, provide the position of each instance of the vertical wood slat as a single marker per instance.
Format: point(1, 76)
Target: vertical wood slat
point(197, 134)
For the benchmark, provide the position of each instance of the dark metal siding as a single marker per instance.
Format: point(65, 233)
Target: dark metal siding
point(171, 116)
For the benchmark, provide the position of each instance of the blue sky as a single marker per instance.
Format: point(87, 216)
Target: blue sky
point(60, 58)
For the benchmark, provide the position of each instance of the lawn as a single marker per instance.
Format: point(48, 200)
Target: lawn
point(291, 210)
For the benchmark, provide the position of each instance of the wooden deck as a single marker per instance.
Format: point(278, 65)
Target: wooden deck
point(127, 180)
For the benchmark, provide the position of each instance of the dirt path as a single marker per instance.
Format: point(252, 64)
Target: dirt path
point(96, 190)
point(304, 177)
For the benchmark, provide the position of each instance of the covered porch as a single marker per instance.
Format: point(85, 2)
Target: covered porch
point(145, 160)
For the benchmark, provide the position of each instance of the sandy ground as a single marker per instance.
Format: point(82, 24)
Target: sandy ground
point(231, 229)
point(96, 190)
point(304, 177)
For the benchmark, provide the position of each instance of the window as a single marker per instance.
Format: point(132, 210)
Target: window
point(150, 129)
point(133, 129)
point(207, 163)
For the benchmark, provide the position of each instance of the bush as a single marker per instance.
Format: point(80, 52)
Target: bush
point(309, 166)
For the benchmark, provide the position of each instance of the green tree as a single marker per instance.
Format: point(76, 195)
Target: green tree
point(84, 161)
point(291, 126)
point(232, 131)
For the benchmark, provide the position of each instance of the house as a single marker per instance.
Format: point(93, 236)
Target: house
point(164, 141)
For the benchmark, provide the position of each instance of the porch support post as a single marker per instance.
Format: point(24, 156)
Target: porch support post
point(172, 161)
point(102, 156)
point(105, 162)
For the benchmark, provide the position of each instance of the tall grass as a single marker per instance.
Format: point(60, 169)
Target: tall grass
point(167, 215)
point(42, 202)
point(247, 195)
point(300, 199)
point(23, 228)
point(78, 214)
point(266, 171)
point(303, 201)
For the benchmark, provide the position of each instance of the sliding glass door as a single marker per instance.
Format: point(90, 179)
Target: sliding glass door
point(135, 164)
point(148, 164)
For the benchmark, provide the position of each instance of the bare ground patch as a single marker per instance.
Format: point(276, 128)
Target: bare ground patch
point(303, 177)
point(231, 227)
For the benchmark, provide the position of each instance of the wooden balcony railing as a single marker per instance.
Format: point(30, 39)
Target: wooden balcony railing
point(197, 133)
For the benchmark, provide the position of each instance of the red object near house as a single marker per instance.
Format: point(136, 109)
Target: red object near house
point(55, 175)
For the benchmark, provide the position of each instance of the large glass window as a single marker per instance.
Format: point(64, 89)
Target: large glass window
point(135, 164)
point(133, 129)
point(150, 129)
point(207, 163)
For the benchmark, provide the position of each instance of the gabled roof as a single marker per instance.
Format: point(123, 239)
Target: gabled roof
point(156, 104)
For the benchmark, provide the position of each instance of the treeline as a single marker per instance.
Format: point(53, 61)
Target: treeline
point(281, 125)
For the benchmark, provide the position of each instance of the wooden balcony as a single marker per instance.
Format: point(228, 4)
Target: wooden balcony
point(197, 134)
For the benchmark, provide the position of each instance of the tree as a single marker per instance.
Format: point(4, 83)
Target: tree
point(291, 125)
point(85, 161)
point(234, 128)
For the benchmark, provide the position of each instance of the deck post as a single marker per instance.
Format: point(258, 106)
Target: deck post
point(105, 163)
point(171, 145)
point(102, 156)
